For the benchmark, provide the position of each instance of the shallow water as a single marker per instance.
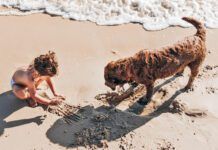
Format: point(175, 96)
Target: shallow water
point(153, 14)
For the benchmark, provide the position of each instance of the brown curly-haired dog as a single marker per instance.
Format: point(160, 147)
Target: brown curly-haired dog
point(145, 67)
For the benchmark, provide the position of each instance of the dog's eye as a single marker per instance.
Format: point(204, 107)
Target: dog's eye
point(114, 80)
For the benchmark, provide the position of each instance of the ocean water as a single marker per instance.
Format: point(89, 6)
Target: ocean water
point(152, 14)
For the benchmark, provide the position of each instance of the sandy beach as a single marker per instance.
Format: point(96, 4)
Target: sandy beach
point(83, 49)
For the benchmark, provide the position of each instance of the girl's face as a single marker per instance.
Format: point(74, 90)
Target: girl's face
point(36, 75)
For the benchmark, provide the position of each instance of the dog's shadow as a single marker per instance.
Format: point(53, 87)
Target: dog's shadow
point(118, 122)
point(138, 109)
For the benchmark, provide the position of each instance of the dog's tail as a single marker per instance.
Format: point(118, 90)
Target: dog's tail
point(201, 31)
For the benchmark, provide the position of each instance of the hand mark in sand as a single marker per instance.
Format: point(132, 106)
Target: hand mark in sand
point(68, 112)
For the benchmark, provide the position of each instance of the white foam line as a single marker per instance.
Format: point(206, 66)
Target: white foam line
point(19, 13)
point(153, 14)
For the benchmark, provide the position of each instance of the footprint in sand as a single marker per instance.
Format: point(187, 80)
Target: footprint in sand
point(211, 90)
point(182, 108)
point(196, 113)
point(165, 145)
point(208, 72)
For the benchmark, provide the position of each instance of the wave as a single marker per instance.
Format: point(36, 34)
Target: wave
point(152, 14)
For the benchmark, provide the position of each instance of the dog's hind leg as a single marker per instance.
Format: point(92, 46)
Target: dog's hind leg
point(145, 99)
point(180, 72)
point(194, 67)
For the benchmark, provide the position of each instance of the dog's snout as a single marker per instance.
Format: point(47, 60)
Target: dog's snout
point(110, 86)
point(113, 88)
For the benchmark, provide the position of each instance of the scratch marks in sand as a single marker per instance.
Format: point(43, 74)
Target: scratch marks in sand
point(68, 112)
point(181, 108)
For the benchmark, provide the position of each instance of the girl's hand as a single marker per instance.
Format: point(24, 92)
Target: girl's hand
point(32, 103)
point(59, 96)
point(55, 101)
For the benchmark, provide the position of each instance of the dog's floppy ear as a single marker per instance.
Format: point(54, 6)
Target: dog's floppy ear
point(111, 65)
point(112, 62)
point(120, 70)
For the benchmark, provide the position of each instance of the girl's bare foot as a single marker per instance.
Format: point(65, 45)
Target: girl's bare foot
point(31, 103)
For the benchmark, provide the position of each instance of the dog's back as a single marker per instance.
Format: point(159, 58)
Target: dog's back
point(169, 60)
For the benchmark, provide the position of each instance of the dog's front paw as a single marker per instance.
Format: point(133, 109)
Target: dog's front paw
point(134, 84)
point(143, 101)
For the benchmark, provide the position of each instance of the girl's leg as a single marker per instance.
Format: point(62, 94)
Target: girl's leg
point(20, 92)
point(23, 94)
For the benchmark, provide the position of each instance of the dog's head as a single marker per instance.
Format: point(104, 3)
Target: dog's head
point(115, 74)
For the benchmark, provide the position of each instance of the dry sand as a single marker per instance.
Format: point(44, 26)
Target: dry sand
point(83, 49)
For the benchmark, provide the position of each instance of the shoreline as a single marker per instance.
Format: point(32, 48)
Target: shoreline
point(154, 15)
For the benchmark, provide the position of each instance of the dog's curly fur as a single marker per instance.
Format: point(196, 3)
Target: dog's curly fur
point(147, 66)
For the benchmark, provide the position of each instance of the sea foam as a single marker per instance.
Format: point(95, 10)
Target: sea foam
point(152, 14)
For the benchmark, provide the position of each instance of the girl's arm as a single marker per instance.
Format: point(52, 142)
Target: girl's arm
point(37, 98)
point(51, 86)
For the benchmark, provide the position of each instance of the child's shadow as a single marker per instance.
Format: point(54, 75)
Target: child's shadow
point(10, 104)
